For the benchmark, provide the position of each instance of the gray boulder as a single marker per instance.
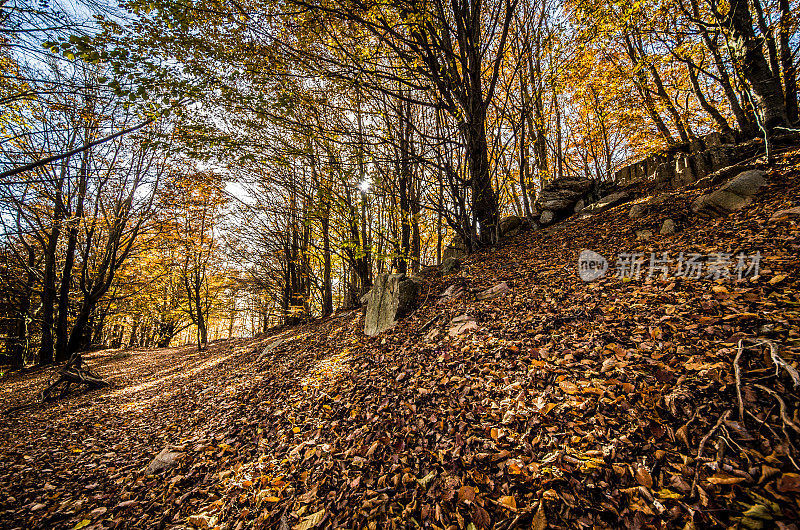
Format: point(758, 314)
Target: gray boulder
point(166, 459)
point(637, 211)
point(271, 347)
point(462, 324)
point(392, 297)
point(450, 265)
point(493, 292)
point(546, 217)
point(510, 225)
point(606, 202)
point(455, 249)
point(732, 196)
point(667, 227)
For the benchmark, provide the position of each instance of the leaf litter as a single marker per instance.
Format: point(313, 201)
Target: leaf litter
point(661, 403)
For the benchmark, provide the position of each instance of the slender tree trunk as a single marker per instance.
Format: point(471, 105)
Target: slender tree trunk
point(644, 90)
point(559, 152)
point(523, 148)
point(48, 295)
point(788, 66)
point(62, 328)
point(683, 129)
point(327, 290)
point(366, 258)
point(202, 331)
point(232, 319)
point(20, 345)
point(718, 118)
point(416, 243)
point(404, 187)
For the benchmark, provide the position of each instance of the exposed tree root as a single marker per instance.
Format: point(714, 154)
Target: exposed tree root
point(75, 372)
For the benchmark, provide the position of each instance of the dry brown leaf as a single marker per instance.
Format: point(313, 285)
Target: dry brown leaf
point(466, 494)
point(508, 501)
point(539, 519)
point(643, 477)
point(310, 521)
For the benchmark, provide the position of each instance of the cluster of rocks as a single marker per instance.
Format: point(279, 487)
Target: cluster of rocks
point(687, 162)
point(561, 198)
point(732, 195)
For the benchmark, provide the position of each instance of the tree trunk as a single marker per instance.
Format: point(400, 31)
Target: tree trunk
point(404, 187)
point(788, 67)
point(62, 327)
point(48, 295)
point(484, 199)
point(683, 129)
point(327, 289)
point(644, 90)
point(749, 58)
point(720, 120)
point(744, 119)
point(19, 346)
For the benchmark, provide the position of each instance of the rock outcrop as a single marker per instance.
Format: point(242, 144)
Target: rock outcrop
point(558, 197)
point(686, 163)
point(450, 265)
point(732, 196)
point(512, 225)
point(454, 249)
point(392, 297)
point(612, 199)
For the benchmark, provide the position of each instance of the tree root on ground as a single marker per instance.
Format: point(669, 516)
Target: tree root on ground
point(75, 372)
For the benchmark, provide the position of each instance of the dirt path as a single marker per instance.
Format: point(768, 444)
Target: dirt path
point(58, 456)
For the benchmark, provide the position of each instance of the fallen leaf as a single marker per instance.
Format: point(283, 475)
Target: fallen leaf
point(643, 477)
point(721, 478)
point(310, 521)
point(539, 519)
point(508, 501)
point(789, 482)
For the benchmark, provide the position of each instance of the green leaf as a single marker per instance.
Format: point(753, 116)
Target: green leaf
point(81, 524)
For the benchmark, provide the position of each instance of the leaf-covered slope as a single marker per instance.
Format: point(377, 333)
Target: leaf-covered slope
point(569, 405)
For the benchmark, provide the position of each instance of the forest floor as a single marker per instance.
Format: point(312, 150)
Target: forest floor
point(563, 404)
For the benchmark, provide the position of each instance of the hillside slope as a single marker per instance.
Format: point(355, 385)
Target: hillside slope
point(563, 404)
